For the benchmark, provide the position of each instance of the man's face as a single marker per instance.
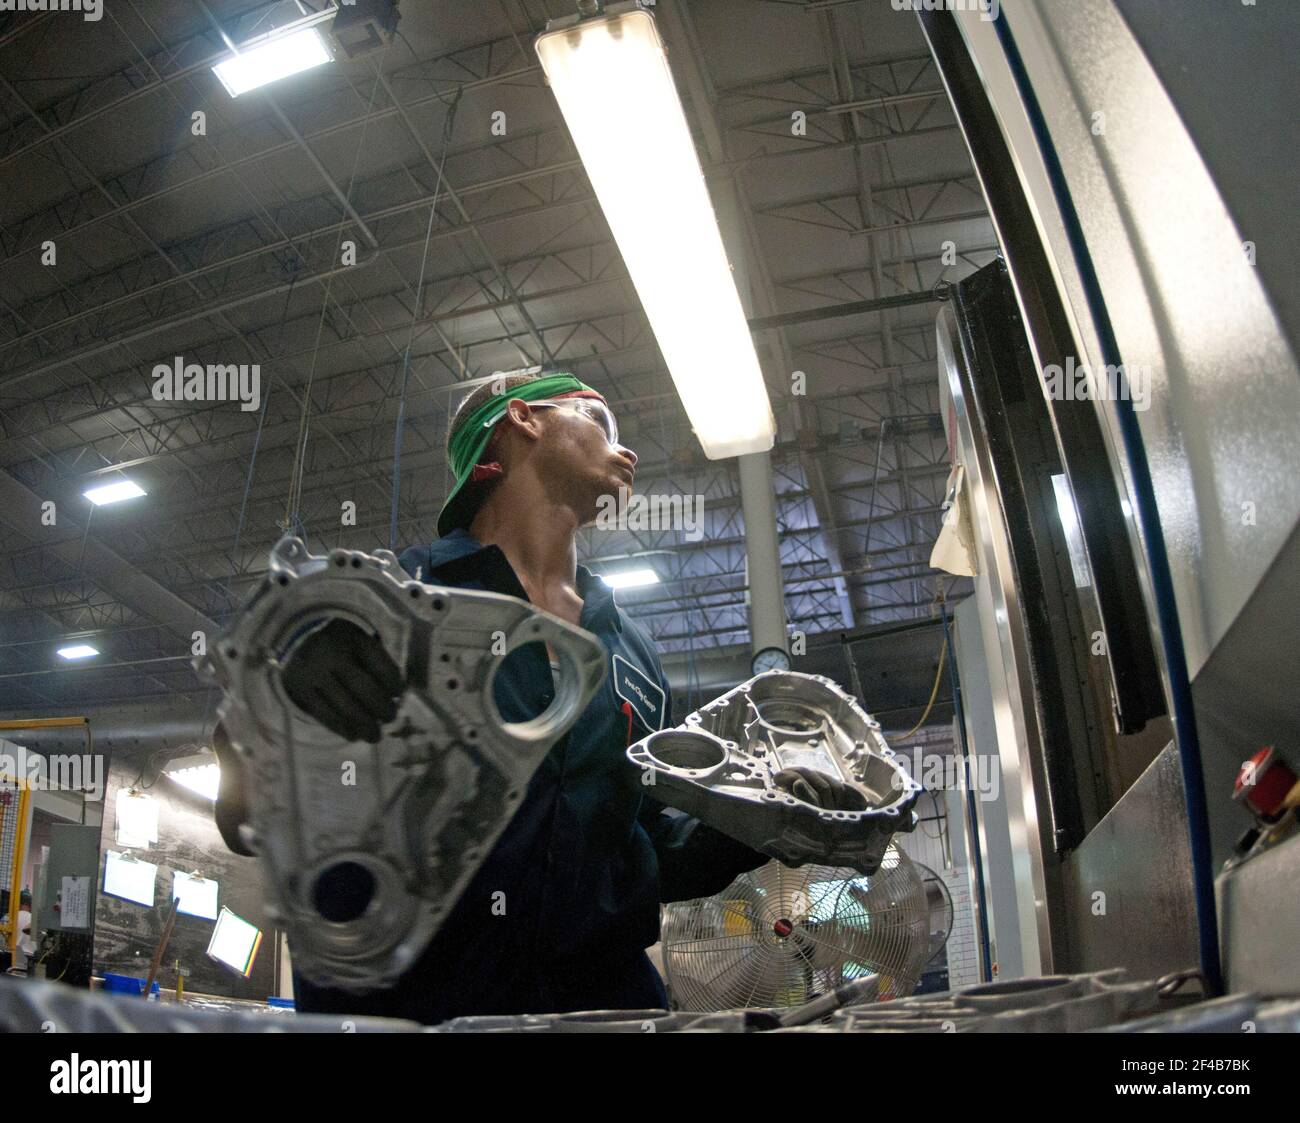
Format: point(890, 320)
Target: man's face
point(575, 454)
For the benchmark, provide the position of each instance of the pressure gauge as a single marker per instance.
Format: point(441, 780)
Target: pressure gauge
point(769, 659)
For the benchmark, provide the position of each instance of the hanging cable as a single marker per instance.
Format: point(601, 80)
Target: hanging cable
point(291, 521)
point(248, 487)
point(934, 692)
point(81, 557)
point(448, 125)
point(294, 500)
point(939, 599)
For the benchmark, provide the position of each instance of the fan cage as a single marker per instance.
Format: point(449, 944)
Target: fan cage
point(778, 937)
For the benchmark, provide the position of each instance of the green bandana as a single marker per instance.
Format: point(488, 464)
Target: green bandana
point(475, 431)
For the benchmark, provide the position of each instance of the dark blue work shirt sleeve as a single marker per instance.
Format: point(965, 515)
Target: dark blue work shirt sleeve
point(694, 859)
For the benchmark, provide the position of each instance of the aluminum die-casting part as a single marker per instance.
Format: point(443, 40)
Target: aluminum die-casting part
point(407, 821)
point(1109, 1001)
point(720, 766)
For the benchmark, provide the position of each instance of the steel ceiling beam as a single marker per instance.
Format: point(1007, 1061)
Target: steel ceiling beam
point(22, 508)
point(356, 431)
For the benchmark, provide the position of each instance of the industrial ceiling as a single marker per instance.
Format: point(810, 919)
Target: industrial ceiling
point(478, 247)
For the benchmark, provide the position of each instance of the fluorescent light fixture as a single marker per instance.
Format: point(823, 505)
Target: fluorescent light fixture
point(204, 779)
point(630, 578)
point(198, 772)
point(78, 651)
point(114, 492)
point(611, 79)
point(271, 59)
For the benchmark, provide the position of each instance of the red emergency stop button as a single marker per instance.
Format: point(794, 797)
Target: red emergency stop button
point(1264, 782)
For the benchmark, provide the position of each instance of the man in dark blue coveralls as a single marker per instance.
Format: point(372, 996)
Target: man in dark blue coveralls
point(588, 857)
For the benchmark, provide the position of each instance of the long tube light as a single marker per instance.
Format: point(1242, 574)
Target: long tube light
point(202, 779)
point(630, 578)
point(198, 772)
point(611, 79)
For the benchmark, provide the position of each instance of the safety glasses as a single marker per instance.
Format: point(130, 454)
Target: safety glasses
point(593, 410)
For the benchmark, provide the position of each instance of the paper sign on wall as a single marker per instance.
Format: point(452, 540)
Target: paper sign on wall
point(197, 895)
point(74, 903)
point(235, 942)
point(137, 820)
point(130, 878)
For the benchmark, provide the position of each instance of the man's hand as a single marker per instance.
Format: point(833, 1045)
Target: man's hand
point(342, 676)
point(819, 789)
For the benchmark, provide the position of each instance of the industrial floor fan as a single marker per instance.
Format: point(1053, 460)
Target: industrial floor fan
point(780, 937)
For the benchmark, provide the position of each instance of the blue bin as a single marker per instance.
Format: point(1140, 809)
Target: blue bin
point(126, 984)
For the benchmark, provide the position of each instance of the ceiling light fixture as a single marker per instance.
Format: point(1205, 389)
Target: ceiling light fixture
point(286, 51)
point(611, 79)
point(114, 492)
point(78, 651)
point(198, 772)
point(630, 578)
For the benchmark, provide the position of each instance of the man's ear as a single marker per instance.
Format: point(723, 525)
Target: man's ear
point(523, 417)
